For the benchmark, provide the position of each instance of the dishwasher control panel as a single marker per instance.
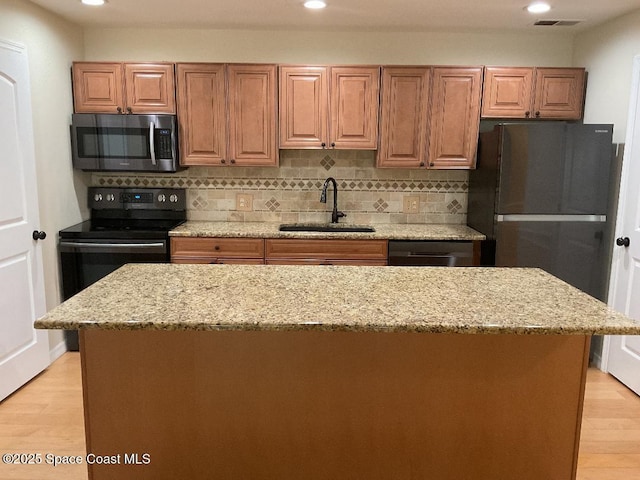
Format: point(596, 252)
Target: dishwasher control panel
point(425, 253)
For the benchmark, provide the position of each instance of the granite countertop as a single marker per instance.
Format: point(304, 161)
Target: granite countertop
point(404, 231)
point(336, 298)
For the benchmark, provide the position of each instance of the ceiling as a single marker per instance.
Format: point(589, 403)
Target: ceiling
point(371, 15)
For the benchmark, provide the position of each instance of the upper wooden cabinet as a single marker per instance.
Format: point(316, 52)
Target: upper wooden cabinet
point(304, 107)
point(404, 117)
point(530, 92)
point(227, 114)
point(329, 107)
point(455, 117)
point(430, 117)
point(103, 87)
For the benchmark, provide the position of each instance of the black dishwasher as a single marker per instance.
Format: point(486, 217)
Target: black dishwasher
point(423, 253)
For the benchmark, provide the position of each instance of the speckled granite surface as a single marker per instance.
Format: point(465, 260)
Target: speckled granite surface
point(263, 297)
point(382, 231)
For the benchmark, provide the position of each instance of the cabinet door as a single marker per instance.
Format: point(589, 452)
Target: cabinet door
point(97, 87)
point(403, 122)
point(252, 115)
point(304, 107)
point(150, 88)
point(354, 107)
point(507, 92)
point(455, 117)
point(202, 113)
point(277, 249)
point(217, 250)
point(559, 93)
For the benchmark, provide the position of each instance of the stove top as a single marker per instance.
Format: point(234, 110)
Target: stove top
point(130, 213)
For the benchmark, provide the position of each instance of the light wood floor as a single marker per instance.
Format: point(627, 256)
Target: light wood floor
point(45, 416)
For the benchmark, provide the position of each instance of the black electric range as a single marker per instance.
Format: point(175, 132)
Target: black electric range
point(127, 225)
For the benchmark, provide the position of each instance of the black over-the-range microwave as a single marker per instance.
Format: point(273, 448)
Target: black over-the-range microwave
point(111, 142)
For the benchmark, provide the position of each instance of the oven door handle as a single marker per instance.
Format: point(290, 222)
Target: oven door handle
point(152, 143)
point(111, 245)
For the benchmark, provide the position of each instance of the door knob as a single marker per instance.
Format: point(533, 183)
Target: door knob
point(38, 235)
point(623, 241)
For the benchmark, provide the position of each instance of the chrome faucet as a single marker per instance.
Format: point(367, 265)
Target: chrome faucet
point(335, 214)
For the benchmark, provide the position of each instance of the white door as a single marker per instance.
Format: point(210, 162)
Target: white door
point(624, 351)
point(24, 351)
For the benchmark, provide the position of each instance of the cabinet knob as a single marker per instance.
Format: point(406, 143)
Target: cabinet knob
point(422, 164)
point(432, 164)
point(38, 235)
point(223, 161)
point(216, 248)
point(119, 109)
point(623, 242)
point(323, 145)
point(333, 144)
point(527, 114)
point(537, 114)
point(233, 160)
point(129, 110)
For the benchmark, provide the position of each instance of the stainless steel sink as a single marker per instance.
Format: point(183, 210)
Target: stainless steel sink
point(324, 227)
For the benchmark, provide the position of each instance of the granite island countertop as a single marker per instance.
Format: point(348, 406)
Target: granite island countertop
point(336, 298)
point(387, 231)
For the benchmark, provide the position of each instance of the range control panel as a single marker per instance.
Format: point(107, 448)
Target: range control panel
point(137, 198)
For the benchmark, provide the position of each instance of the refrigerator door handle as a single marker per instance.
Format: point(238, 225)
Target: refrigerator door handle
point(550, 218)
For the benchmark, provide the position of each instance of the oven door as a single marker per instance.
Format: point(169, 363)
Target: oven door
point(84, 262)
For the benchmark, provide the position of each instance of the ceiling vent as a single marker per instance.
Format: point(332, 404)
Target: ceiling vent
point(557, 23)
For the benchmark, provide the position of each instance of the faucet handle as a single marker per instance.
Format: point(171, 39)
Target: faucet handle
point(341, 214)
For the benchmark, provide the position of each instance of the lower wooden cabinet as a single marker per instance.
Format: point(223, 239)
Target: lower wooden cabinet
point(248, 251)
point(280, 251)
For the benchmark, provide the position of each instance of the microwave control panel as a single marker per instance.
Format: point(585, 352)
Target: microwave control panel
point(163, 143)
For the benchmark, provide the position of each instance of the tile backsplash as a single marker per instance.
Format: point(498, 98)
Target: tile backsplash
point(291, 193)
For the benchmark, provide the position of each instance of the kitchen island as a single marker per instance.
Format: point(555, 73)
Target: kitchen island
point(281, 372)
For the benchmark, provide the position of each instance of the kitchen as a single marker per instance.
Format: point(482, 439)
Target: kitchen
point(605, 50)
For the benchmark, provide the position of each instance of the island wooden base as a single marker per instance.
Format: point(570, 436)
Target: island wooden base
point(332, 405)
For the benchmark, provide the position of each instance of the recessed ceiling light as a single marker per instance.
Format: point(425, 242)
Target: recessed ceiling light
point(538, 7)
point(315, 4)
point(93, 2)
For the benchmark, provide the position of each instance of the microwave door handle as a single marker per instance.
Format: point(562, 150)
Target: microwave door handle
point(152, 143)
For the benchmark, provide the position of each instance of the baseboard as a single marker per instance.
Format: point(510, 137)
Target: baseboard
point(57, 351)
point(596, 361)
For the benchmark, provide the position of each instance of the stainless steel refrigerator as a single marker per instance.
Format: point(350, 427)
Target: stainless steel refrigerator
point(541, 195)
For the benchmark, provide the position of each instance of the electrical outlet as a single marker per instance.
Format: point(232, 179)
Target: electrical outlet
point(244, 202)
point(411, 204)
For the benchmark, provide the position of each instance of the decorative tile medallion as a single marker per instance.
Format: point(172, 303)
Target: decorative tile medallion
point(272, 204)
point(327, 162)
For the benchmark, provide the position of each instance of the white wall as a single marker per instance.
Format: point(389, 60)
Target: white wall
point(607, 52)
point(464, 48)
point(52, 44)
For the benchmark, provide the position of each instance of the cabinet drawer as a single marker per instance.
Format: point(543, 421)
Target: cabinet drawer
point(326, 249)
point(213, 248)
point(327, 261)
point(218, 260)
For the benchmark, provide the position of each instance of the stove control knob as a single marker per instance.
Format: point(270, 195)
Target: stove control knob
point(111, 197)
point(97, 197)
point(162, 198)
point(173, 198)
